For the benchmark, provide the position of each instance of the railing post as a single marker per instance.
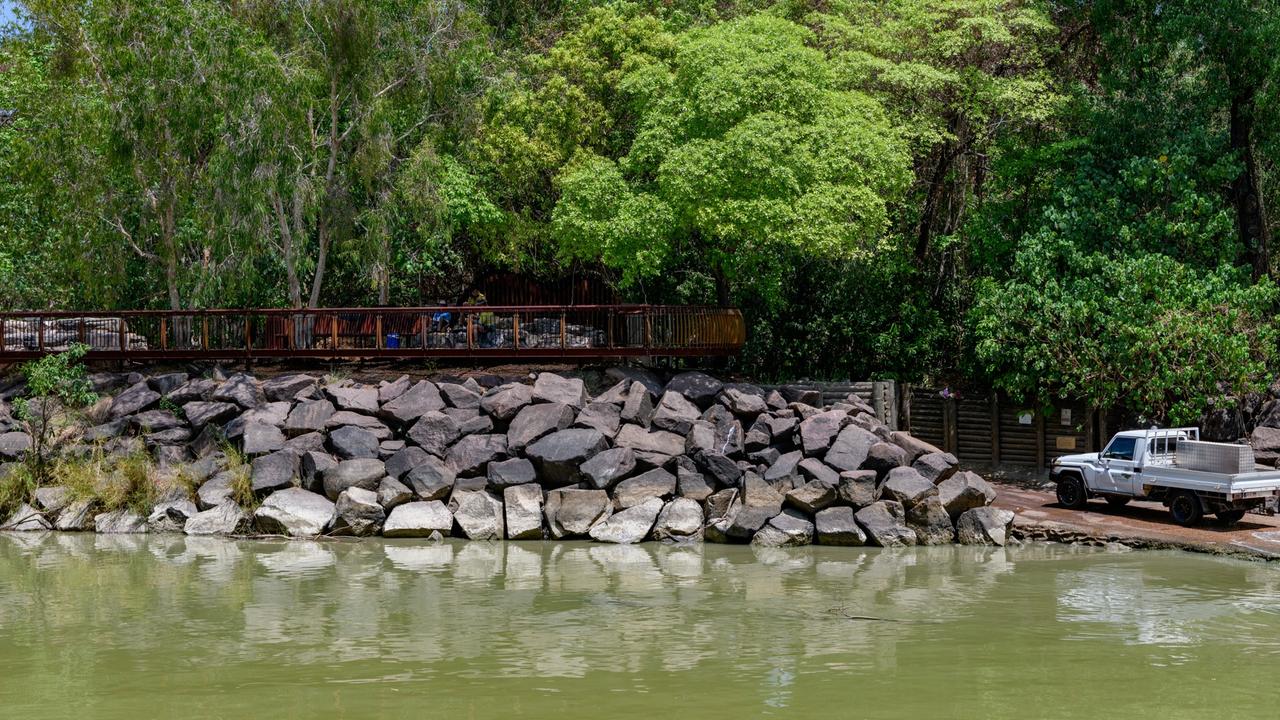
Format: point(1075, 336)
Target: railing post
point(333, 331)
point(121, 329)
point(3, 345)
point(204, 331)
point(648, 329)
point(470, 333)
point(40, 334)
point(564, 331)
point(81, 332)
point(164, 332)
point(423, 331)
point(515, 331)
point(377, 329)
point(611, 316)
point(248, 336)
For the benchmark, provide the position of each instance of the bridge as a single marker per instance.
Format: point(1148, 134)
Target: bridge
point(468, 332)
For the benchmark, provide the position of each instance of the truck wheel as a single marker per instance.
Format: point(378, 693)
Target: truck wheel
point(1230, 517)
point(1185, 508)
point(1071, 493)
point(1116, 501)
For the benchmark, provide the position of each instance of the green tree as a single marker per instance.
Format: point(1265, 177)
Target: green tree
point(57, 389)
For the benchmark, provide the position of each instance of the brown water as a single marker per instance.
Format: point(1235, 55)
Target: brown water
point(152, 627)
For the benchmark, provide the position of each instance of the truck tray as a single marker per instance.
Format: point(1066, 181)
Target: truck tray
point(1228, 458)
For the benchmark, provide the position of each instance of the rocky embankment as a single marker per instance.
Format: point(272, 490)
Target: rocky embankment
point(690, 460)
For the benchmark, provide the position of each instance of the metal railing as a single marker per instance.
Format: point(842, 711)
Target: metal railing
point(506, 332)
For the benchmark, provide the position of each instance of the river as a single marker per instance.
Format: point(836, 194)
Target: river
point(182, 627)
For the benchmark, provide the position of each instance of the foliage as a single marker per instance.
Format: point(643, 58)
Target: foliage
point(57, 388)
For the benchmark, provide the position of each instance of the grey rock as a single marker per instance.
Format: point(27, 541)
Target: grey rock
point(552, 388)
point(884, 521)
point(165, 383)
point(460, 396)
point(907, 486)
point(215, 491)
point(312, 465)
point(883, 457)
point(417, 401)
point(659, 441)
point(965, 491)
point(572, 513)
point(14, 445)
point(364, 473)
point(815, 469)
point(913, 446)
point(260, 438)
point(172, 436)
point(984, 526)
point(699, 388)
point(349, 442)
point(931, 522)
point(388, 391)
point(363, 400)
point(191, 390)
point(630, 525)
point(295, 512)
point(638, 406)
point(813, 496)
point(819, 431)
point(757, 492)
point(787, 529)
point(680, 521)
point(155, 421)
point(358, 513)
point(850, 448)
point(607, 467)
point(418, 520)
point(641, 375)
point(602, 416)
point(432, 479)
point(76, 516)
point(354, 419)
point(401, 462)
point(134, 400)
point(536, 421)
point(480, 516)
point(392, 492)
point(473, 453)
point(560, 455)
point(240, 389)
point(617, 394)
point(225, 519)
point(936, 467)
point(119, 522)
point(836, 526)
point(287, 387)
point(308, 416)
point(858, 488)
point(747, 521)
point(106, 431)
point(504, 401)
point(690, 483)
point(742, 403)
point(274, 472)
point(25, 519)
point(507, 473)
point(786, 468)
point(717, 467)
point(200, 413)
point(52, 498)
point(523, 507)
point(478, 425)
point(169, 516)
point(653, 484)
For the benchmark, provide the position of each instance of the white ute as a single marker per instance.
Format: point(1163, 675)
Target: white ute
point(1172, 466)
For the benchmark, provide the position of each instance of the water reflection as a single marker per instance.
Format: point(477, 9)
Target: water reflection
point(494, 628)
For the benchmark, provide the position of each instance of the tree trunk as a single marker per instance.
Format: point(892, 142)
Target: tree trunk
point(323, 229)
point(932, 200)
point(722, 288)
point(168, 231)
point(1246, 191)
point(290, 254)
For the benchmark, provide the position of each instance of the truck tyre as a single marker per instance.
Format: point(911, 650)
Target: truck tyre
point(1071, 492)
point(1230, 517)
point(1185, 508)
point(1117, 501)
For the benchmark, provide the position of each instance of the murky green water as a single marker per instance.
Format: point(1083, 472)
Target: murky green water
point(143, 627)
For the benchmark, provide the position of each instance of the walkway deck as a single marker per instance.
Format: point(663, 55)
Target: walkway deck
point(467, 332)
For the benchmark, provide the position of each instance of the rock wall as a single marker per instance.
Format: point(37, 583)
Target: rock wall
point(688, 460)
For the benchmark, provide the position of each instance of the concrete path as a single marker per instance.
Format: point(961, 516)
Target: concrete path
point(1138, 524)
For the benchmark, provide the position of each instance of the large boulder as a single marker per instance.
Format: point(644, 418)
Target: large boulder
point(743, 402)
point(812, 469)
point(746, 521)
point(675, 413)
point(657, 483)
point(504, 401)
point(389, 390)
point(392, 492)
point(536, 421)
point(418, 520)
point(216, 490)
point(885, 524)
point(717, 467)
point(14, 445)
point(837, 526)
point(606, 468)
point(171, 515)
point(813, 496)
point(850, 448)
point(883, 457)
point(432, 479)
point(460, 396)
point(417, 401)
point(912, 445)
point(572, 513)
point(295, 512)
point(200, 413)
point(602, 416)
point(965, 491)
point(984, 526)
point(858, 488)
point(225, 519)
point(311, 467)
point(154, 421)
point(508, 473)
point(76, 516)
point(787, 529)
point(358, 513)
point(523, 506)
point(260, 438)
point(680, 521)
point(936, 467)
point(690, 482)
point(552, 388)
point(287, 387)
point(931, 522)
point(404, 460)
point(26, 519)
point(699, 388)
point(134, 400)
point(907, 486)
point(659, 441)
point(628, 526)
point(361, 472)
point(785, 469)
point(560, 455)
point(240, 389)
point(435, 432)
point(349, 442)
point(309, 416)
point(165, 383)
point(637, 407)
point(52, 498)
point(362, 400)
point(472, 454)
point(122, 521)
point(273, 472)
point(819, 431)
point(479, 516)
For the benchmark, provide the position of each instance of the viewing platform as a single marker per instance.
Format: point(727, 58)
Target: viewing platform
point(480, 332)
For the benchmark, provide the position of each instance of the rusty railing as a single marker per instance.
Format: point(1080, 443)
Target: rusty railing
point(507, 332)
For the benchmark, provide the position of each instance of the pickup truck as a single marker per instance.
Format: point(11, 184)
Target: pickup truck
point(1147, 465)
